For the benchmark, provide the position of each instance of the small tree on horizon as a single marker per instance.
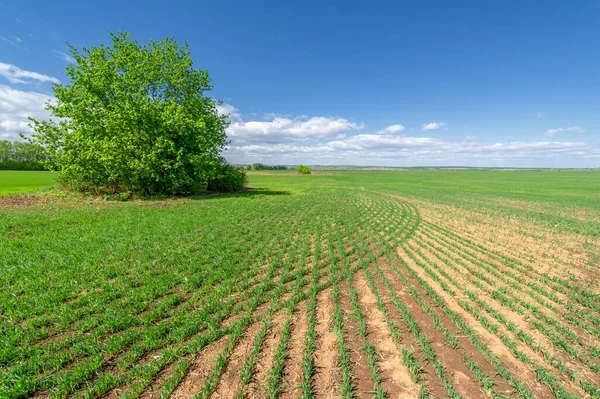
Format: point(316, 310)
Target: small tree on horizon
point(135, 118)
point(303, 170)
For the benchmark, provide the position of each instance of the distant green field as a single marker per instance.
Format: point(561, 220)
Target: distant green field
point(425, 284)
point(550, 198)
point(18, 181)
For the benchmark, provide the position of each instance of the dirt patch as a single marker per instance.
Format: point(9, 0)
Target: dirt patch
point(266, 359)
point(465, 344)
point(230, 381)
point(22, 201)
point(153, 390)
point(550, 250)
point(558, 309)
point(397, 380)
point(451, 359)
point(495, 345)
point(327, 377)
point(293, 363)
point(429, 376)
point(202, 365)
point(361, 374)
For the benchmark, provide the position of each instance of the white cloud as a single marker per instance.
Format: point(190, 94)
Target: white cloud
point(554, 132)
point(279, 129)
point(15, 107)
point(64, 56)
point(321, 140)
point(230, 110)
point(538, 115)
point(379, 149)
point(12, 40)
point(432, 126)
point(393, 129)
point(381, 142)
point(15, 74)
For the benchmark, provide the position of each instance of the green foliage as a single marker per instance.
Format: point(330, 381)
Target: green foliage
point(134, 118)
point(303, 170)
point(228, 179)
point(21, 156)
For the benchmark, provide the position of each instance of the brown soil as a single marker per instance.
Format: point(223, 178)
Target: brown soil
point(17, 201)
point(559, 311)
point(361, 374)
point(452, 359)
point(521, 321)
point(429, 376)
point(199, 370)
point(293, 364)
point(153, 390)
point(328, 375)
point(494, 343)
point(562, 253)
point(266, 359)
point(397, 380)
point(230, 382)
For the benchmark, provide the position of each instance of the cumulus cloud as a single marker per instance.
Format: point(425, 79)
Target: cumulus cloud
point(381, 142)
point(232, 112)
point(324, 140)
point(280, 129)
point(432, 126)
point(15, 107)
point(15, 74)
point(393, 129)
point(554, 132)
point(381, 149)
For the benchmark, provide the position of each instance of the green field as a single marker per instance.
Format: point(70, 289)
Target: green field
point(17, 181)
point(467, 284)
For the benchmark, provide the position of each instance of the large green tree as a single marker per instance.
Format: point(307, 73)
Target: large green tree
point(134, 118)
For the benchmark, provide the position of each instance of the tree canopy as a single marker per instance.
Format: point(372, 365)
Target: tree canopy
point(135, 118)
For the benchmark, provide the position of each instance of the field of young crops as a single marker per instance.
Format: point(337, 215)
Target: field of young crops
point(337, 284)
point(15, 181)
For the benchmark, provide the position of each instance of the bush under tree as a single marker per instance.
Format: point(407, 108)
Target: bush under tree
point(229, 178)
point(136, 118)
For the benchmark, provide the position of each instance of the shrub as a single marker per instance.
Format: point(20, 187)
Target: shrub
point(304, 170)
point(230, 179)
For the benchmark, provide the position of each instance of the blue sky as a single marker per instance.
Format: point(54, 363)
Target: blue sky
point(476, 83)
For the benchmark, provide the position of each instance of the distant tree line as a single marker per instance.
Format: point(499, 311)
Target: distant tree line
point(262, 166)
point(16, 155)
